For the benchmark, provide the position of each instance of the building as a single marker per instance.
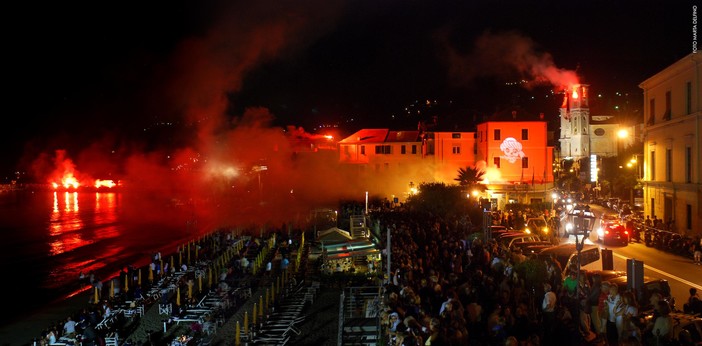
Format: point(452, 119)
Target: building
point(512, 152)
point(517, 161)
point(672, 165)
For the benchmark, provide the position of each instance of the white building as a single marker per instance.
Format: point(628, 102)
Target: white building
point(672, 141)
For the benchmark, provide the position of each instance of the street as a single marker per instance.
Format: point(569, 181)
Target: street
point(680, 271)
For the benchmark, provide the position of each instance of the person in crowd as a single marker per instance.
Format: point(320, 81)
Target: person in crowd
point(615, 309)
point(69, 327)
point(51, 337)
point(694, 303)
point(662, 328)
point(548, 310)
point(89, 336)
point(697, 250)
point(593, 300)
point(584, 308)
point(626, 322)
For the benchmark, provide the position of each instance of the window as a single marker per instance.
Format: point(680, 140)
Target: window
point(688, 98)
point(497, 135)
point(688, 216)
point(525, 162)
point(496, 161)
point(456, 149)
point(414, 148)
point(653, 166)
point(688, 164)
point(383, 149)
point(363, 150)
point(525, 134)
point(651, 112)
point(456, 135)
point(666, 115)
point(668, 165)
point(403, 149)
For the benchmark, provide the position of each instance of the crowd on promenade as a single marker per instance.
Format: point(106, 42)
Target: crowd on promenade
point(447, 289)
point(109, 299)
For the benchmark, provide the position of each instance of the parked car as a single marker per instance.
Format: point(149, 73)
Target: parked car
point(508, 239)
point(567, 255)
point(613, 233)
point(532, 245)
point(608, 218)
point(537, 225)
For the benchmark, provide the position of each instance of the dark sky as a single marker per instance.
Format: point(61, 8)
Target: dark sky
point(77, 73)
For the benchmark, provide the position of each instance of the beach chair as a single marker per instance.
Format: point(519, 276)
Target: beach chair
point(112, 339)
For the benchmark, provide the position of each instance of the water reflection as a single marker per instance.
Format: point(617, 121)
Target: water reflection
point(63, 224)
point(78, 228)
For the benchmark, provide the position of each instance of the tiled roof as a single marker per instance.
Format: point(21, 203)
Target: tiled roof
point(403, 136)
point(366, 136)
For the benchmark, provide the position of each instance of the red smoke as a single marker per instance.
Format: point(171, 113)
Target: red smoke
point(509, 55)
point(222, 171)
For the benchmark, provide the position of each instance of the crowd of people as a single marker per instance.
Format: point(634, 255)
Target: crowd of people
point(448, 288)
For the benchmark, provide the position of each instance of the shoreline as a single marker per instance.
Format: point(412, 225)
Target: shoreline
point(29, 326)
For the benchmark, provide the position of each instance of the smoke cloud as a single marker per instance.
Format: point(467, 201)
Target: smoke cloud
point(222, 170)
point(508, 55)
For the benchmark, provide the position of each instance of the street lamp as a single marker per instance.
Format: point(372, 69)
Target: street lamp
point(580, 221)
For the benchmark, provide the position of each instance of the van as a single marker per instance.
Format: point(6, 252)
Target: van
point(567, 255)
point(508, 239)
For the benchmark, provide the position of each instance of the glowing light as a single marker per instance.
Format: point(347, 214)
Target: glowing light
point(575, 94)
point(104, 183)
point(67, 182)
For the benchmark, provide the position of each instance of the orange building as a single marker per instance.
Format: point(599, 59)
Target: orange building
point(513, 154)
point(516, 159)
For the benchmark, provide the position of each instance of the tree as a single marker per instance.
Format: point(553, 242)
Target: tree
point(439, 199)
point(470, 179)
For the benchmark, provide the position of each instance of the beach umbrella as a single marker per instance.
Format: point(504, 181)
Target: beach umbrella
point(246, 323)
point(151, 274)
point(97, 296)
point(197, 252)
point(237, 340)
point(139, 276)
point(190, 289)
point(178, 296)
point(260, 304)
point(253, 315)
point(272, 293)
point(126, 283)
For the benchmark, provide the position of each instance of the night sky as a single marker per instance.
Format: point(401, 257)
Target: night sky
point(140, 76)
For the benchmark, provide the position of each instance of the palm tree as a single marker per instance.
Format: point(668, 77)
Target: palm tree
point(470, 179)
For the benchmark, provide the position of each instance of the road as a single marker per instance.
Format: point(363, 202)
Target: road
point(680, 271)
